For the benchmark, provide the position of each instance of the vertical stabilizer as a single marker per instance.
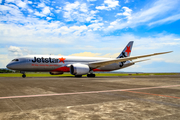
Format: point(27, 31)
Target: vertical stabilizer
point(127, 50)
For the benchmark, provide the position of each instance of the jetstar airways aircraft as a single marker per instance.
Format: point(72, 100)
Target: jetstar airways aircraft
point(77, 66)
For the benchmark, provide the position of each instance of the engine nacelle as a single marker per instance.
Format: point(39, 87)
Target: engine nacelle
point(79, 69)
point(56, 73)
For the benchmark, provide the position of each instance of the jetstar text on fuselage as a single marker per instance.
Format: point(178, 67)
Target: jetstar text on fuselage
point(48, 60)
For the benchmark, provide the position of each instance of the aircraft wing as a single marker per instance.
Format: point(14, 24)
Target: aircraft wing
point(94, 65)
point(140, 60)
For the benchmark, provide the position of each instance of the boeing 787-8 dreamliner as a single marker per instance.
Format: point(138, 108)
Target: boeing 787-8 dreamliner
point(77, 66)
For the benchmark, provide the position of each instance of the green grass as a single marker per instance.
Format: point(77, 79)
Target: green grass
point(69, 75)
point(134, 74)
point(31, 75)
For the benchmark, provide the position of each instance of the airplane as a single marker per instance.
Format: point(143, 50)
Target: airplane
point(77, 66)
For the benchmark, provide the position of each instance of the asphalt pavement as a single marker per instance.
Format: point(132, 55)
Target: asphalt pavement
point(100, 98)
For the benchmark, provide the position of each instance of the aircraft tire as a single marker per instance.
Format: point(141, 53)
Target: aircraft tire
point(78, 75)
point(91, 75)
point(23, 75)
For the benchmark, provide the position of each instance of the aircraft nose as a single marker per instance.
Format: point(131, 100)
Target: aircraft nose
point(10, 66)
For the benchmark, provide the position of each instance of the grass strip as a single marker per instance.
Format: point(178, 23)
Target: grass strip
point(69, 75)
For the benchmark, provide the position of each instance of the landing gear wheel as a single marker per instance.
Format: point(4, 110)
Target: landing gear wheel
point(23, 75)
point(78, 75)
point(91, 75)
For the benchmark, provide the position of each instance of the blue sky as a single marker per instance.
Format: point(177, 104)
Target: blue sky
point(94, 28)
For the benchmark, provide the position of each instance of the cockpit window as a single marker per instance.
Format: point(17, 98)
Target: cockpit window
point(15, 60)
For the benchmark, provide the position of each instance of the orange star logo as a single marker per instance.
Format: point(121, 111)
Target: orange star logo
point(61, 59)
point(128, 50)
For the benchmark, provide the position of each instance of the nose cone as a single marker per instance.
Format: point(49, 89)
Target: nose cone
point(11, 66)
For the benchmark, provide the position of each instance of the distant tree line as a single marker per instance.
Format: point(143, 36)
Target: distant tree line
point(6, 71)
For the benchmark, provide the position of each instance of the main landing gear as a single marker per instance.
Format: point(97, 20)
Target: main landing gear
point(91, 75)
point(78, 75)
point(23, 74)
point(88, 75)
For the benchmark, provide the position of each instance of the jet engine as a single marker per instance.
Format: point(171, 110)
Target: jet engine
point(56, 73)
point(79, 69)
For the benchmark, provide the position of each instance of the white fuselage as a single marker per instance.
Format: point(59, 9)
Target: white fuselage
point(48, 63)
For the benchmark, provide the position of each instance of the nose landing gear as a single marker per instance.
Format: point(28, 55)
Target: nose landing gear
point(23, 74)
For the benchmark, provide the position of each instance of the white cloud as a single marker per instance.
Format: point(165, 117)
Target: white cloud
point(113, 24)
point(10, 13)
point(76, 30)
point(111, 3)
point(46, 10)
point(90, 54)
point(127, 13)
point(91, 0)
point(15, 50)
point(0, 1)
point(92, 15)
point(58, 9)
point(41, 5)
point(71, 6)
point(159, 8)
point(83, 7)
point(21, 4)
point(78, 12)
point(126, 1)
point(156, 11)
point(30, 2)
point(48, 18)
point(4, 60)
point(8, 1)
point(108, 5)
point(96, 26)
point(71, 11)
point(39, 14)
point(43, 10)
point(32, 34)
point(4, 8)
point(166, 20)
point(32, 26)
point(86, 54)
point(30, 10)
